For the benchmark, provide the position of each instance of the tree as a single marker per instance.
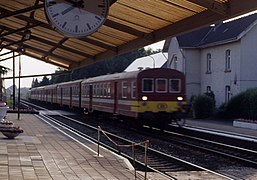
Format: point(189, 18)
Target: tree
point(35, 83)
point(45, 81)
point(3, 70)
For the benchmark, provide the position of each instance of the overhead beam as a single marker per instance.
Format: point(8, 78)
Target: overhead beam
point(199, 20)
point(37, 75)
point(47, 61)
point(55, 47)
point(41, 40)
point(212, 5)
point(14, 31)
point(47, 26)
point(8, 13)
point(127, 29)
point(68, 61)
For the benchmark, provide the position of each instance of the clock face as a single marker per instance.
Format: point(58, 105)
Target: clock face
point(76, 18)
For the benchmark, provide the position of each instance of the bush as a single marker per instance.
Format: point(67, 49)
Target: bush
point(202, 106)
point(243, 105)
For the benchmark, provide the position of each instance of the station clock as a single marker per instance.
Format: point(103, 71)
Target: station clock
point(76, 18)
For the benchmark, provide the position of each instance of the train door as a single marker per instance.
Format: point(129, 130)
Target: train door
point(115, 93)
point(90, 97)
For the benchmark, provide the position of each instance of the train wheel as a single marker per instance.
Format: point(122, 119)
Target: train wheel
point(180, 121)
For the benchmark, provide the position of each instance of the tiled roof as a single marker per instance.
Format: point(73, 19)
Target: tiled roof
point(220, 33)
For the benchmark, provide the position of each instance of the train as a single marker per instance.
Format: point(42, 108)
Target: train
point(154, 97)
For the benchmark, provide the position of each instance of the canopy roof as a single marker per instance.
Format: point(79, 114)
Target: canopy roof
point(131, 24)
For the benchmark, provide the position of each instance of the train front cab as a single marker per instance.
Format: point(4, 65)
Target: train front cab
point(161, 97)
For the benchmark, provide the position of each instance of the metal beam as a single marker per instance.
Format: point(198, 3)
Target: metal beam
point(212, 5)
point(9, 57)
point(55, 47)
point(68, 61)
point(127, 29)
point(37, 75)
point(108, 23)
point(13, 31)
point(13, 43)
point(46, 61)
point(199, 20)
point(41, 40)
point(8, 13)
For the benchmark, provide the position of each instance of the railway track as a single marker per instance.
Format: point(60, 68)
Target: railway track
point(211, 149)
point(157, 161)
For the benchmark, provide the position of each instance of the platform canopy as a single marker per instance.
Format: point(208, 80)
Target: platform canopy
point(131, 24)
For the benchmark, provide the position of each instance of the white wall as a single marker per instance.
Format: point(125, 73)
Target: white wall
point(218, 78)
point(193, 71)
point(243, 73)
point(189, 64)
point(248, 64)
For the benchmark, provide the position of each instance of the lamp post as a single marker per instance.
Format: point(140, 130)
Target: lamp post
point(153, 61)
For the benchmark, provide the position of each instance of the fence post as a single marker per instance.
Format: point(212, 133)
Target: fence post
point(98, 141)
point(134, 159)
point(146, 162)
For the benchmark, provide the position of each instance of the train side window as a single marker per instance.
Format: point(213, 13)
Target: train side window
point(105, 89)
point(175, 85)
point(94, 90)
point(97, 90)
point(109, 89)
point(148, 85)
point(134, 89)
point(100, 90)
point(161, 85)
point(124, 89)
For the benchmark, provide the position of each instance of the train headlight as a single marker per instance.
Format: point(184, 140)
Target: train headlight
point(179, 98)
point(144, 98)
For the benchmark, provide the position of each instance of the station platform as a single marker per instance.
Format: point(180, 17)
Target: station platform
point(42, 152)
point(224, 127)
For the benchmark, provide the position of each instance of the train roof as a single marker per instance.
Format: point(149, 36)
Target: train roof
point(124, 75)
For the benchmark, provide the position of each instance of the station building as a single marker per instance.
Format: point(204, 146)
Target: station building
point(220, 58)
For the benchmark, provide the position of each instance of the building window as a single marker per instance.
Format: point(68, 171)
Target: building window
point(208, 63)
point(208, 89)
point(124, 89)
point(227, 93)
point(134, 89)
point(175, 62)
point(175, 86)
point(228, 61)
point(161, 85)
point(148, 85)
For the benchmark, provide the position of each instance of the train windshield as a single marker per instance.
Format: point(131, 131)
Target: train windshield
point(175, 85)
point(161, 85)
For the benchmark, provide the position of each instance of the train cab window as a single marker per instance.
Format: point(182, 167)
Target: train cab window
point(148, 85)
point(175, 85)
point(161, 85)
point(133, 89)
point(124, 89)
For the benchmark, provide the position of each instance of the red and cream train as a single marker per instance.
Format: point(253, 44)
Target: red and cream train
point(151, 96)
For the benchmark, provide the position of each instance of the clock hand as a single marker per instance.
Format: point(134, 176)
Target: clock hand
point(67, 10)
point(92, 6)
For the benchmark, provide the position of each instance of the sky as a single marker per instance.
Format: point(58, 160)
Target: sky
point(30, 66)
